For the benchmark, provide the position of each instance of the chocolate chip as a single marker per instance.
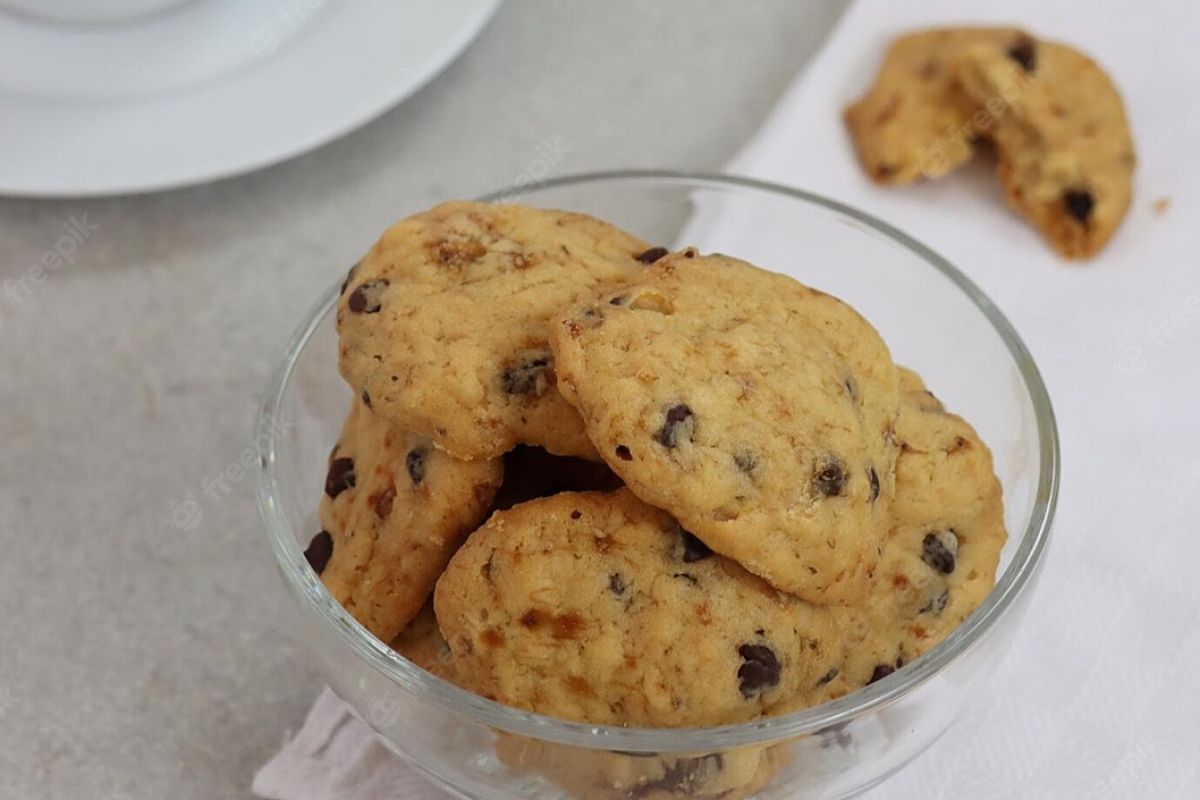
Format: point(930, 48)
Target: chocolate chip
point(693, 549)
point(828, 676)
point(830, 479)
point(319, 551)
point(576, 514)
point(366, 398)
point(366, 298)
point(760, 669)
point(527, 377)
point(939, 550)
point(623, 453)
point(340, 477)
point(881, 672)
point(651, 255)
point(1024, 52)
point(687, 576)
point(937, 604)
point(616, 584)
point(1079, 203)
point(679, 424)
point(619, 300)
point(745, 460)
point(415, 463)
point(873, 478)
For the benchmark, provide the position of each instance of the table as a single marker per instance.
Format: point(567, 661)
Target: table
point(145, 652)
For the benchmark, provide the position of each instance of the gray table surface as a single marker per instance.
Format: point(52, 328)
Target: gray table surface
point(139, 660)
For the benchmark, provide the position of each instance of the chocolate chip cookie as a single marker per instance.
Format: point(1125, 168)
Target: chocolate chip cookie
point(940, 561)
point(915, 121)
point(596, 607)
point(394, 510)
point(443, 324)
point(607, 775)
point(1065, 151)
point(422, 643)
point(757, 411)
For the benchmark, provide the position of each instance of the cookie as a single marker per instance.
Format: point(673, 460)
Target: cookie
point(395, 509)
point(915, 121)
point(940, 561)
point(1065, 151)
point(422, 643)
point(533, 472)
point(608, 775)
point(596, 607)
point(442, 326)
point(757, 411)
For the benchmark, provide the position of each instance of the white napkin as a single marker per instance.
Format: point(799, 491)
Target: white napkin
point(1098, 696)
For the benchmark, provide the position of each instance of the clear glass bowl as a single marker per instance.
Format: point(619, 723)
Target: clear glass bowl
point(935, 320)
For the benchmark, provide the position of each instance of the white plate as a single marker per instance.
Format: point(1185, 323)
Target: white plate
point(211, 89)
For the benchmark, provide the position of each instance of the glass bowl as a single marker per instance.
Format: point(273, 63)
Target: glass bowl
point(935, 321)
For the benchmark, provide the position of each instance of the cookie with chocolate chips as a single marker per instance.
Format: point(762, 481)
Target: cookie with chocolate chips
point(606, 775)
point(915, 121)
point(940, 561)
point(394, 510)
point(756, 410)
point(1064, 148)
point(596, 607)
point(443, 324)
point(422, 643)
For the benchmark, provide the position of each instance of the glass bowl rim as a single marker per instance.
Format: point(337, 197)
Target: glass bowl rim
point(379, 657)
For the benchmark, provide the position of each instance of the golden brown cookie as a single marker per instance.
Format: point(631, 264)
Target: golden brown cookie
point(443, 324)
point(756, 410)
point(606, 775)
point(940, 561)
point(1065, 151)
point(395, 509)
point(596, 607)
point(422, 643)
point(915, 121)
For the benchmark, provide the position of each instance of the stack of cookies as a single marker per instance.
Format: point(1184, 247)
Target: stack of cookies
point(1064, 150)
point(594, 479)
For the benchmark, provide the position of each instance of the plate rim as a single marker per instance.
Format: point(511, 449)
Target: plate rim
point(372, 106)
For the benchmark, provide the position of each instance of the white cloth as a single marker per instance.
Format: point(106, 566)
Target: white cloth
point(1098, 696)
